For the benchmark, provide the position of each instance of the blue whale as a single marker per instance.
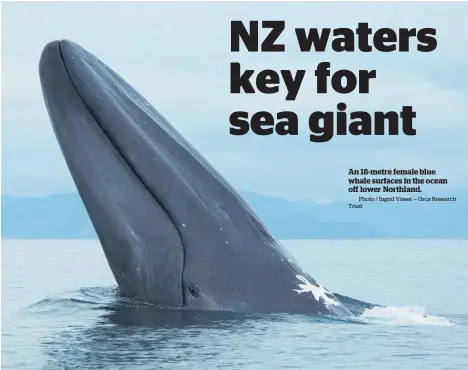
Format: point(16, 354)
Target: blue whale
point(174, 232)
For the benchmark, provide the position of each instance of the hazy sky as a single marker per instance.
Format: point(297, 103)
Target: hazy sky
point(178, 54)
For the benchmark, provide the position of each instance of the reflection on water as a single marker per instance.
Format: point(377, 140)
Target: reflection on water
point(128, 333)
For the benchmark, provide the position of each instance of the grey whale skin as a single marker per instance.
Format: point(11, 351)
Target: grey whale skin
point(174, 232)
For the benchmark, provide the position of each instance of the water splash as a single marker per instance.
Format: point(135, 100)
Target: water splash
point(405, 315)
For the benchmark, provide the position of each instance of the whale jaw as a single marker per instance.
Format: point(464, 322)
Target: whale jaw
point(173, 230)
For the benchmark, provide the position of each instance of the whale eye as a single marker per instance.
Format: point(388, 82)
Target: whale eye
point(193, 289)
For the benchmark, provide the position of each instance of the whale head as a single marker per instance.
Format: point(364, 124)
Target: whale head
point(173, 230)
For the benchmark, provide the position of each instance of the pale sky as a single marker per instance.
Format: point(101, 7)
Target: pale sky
point(178, 54)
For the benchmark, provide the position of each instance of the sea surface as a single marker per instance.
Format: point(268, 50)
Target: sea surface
point(60, 311)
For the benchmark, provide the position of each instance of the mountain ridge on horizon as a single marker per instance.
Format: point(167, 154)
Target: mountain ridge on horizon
point(63, 216)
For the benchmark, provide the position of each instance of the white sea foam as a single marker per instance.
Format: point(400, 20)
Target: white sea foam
point(405, 315)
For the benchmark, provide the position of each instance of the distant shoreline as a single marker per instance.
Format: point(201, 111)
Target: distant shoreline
point(63, 217)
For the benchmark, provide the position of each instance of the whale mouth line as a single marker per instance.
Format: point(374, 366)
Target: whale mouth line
point(174, 232)
point(123, 157)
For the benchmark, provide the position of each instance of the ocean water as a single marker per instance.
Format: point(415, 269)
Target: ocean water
point(60, 311)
